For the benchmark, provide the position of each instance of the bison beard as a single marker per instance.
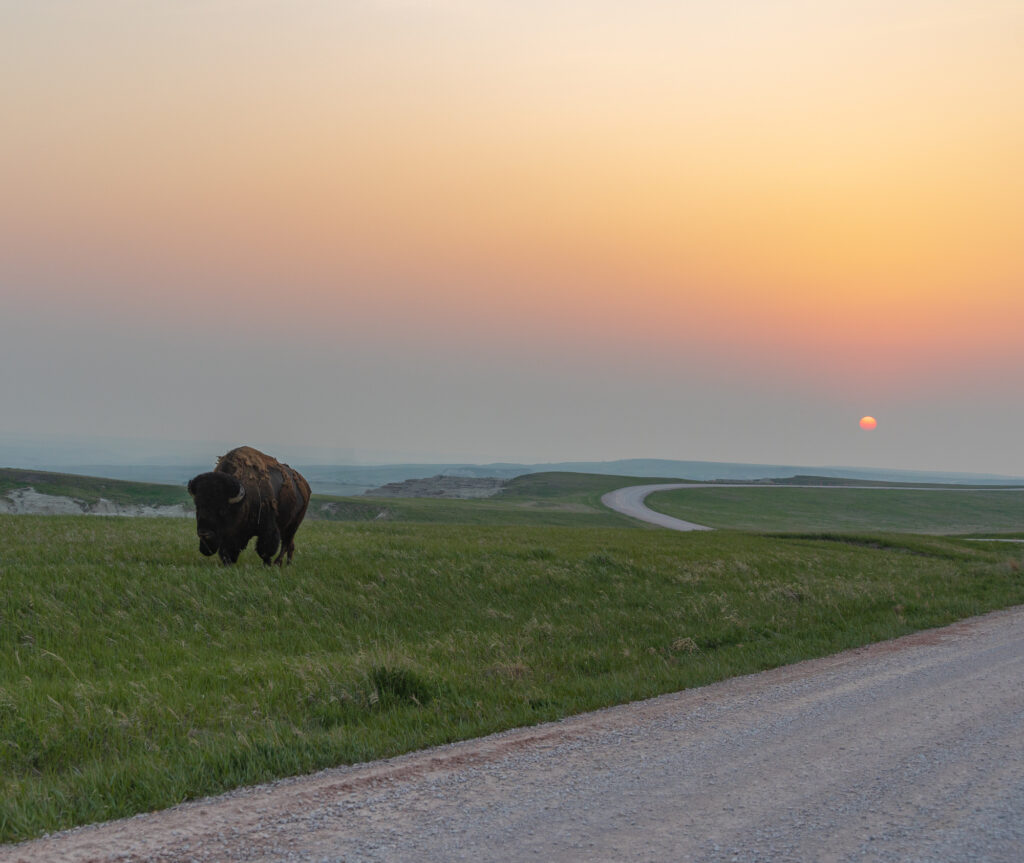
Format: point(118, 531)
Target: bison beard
point(249, 494)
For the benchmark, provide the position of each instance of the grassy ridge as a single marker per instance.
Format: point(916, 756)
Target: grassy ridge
point(846, 509)
point(813, 480)
point(91, 489)
point(584, 488)
point(533, 500)
point(135, 674)
point(567, 499)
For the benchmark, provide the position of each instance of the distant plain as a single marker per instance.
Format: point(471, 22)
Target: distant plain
point(937, 511)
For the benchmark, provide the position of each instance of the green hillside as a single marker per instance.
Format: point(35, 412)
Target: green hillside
point(771, 508)
point(556, 499)
point(91, 489)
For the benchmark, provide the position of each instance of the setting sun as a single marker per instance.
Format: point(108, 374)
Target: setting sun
point(868, 423)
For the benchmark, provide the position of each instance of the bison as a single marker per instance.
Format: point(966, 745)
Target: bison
point(249, 494)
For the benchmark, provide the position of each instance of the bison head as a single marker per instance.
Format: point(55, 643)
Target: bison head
point(218, 498)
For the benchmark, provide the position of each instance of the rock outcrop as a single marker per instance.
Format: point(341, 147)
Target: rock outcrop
point(441, 486)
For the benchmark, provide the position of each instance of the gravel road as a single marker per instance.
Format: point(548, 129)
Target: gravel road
point(909, 750)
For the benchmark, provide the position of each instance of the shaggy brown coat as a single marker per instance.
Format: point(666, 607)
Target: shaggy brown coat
point(249, 494)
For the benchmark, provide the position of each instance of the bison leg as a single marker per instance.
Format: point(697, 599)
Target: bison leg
point(288, 532)
point(288, 539)
point(268, 542)
point(287, 547)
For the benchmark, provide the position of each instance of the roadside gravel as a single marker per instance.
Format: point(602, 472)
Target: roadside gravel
point(909, 750)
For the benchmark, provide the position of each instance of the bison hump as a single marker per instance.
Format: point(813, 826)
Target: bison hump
point(246, 462)
point(257, 471)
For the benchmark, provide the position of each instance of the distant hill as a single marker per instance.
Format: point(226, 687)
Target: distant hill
point(42, 492)
point(355, 479)
point(330, 469)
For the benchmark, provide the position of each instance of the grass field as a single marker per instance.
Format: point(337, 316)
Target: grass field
point(135, 674)
point(771, 508)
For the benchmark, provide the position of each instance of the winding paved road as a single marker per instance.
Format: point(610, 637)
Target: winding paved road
point(908, 750)
point(630, 501)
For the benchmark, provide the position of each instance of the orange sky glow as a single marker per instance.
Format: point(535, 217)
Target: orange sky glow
point(826, 195)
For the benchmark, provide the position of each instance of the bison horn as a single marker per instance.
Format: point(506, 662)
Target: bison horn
point(238, 497)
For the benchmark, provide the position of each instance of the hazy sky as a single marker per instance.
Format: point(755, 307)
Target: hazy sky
point(519, 230)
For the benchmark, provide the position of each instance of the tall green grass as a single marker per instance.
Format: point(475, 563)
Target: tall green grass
point(135, 674)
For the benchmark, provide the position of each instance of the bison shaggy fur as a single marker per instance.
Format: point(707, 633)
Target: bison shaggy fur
point(249, 494)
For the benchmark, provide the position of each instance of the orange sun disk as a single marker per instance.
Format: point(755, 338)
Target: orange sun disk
point(868, 423)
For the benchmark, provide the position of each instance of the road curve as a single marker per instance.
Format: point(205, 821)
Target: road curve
point(630, 501)
point(907, 750)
